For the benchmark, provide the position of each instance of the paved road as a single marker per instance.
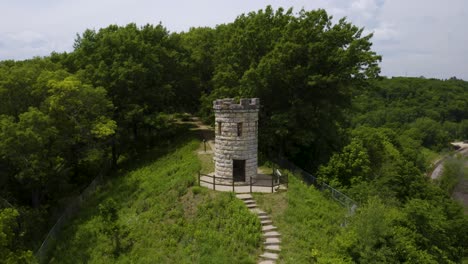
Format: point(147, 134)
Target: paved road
point(440, 163)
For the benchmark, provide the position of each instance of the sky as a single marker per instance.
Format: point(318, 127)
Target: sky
point(415, 37)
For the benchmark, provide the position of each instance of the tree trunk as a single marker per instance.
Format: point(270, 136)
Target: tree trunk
point(114, 154)
point(36, 197)
point(135, 131)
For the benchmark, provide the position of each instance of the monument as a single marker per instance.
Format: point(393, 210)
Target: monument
point(236, 138)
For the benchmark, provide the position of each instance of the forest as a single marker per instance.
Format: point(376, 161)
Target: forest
point(68, 117)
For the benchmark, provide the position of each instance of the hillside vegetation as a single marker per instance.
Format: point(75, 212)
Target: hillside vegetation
point(151, 214)
point(68, 117)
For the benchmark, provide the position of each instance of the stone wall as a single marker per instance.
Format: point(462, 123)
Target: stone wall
point(229, 145)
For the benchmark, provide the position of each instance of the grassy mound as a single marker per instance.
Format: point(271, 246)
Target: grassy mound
point(307, 220)
point(153, 214)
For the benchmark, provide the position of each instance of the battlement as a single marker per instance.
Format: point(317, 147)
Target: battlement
point(230, 104)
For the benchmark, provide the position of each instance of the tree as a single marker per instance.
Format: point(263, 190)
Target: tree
point(351, 166)
point(18, 84)
point(115, 231)
point(144, 71)
point(29, 145)
point(302, 67)
point(82, 115)
point(305, 82)
point(73, 120)
point(11, 249)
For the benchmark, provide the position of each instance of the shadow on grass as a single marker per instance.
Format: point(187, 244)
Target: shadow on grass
point(182, 135)
point(123, 190)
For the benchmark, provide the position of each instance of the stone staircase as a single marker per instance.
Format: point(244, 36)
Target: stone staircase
point(272, 239)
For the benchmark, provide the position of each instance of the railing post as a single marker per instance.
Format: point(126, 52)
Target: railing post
point(272, 182)
point(250, 184)
point(214, 185)
point(199, 178)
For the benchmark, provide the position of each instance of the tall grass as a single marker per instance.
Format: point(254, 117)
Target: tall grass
point(161, 218)
point(307, 221)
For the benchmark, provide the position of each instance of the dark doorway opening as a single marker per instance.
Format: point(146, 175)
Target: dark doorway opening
point(238, 170)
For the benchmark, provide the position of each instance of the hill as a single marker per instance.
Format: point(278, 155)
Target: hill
point(152, 213)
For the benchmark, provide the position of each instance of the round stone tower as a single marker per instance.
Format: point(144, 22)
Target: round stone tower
point(236, 138)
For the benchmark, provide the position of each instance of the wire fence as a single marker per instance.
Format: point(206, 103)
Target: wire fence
point(5, 204)
point(340, 197)
point(72, 208)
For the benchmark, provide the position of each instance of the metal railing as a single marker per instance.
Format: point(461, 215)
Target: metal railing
point(71, 210)
point(273, 181)
point(5, 204)
point(340, 197)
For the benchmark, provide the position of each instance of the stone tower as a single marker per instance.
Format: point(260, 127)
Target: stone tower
point(236, 138)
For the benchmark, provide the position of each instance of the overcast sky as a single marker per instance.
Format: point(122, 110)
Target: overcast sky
point(415, 37)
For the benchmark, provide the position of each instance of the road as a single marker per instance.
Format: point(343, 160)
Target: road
point(440, 163)
point(460, 193)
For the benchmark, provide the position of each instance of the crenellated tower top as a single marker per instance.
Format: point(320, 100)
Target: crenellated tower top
point(230, 104)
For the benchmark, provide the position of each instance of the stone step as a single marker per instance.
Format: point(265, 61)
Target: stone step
point(264, 217)
point(272, 241)
point(258, 212)
point(268, 228)
point(267, 262)
point(273, 248)
point(269, 256)
point(266, 222)
point(271, 234)
point(249, 201)
point(244, 196)
point(251, 206)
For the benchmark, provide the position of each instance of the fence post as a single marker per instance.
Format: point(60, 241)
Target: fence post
point(199, 178)
point(214, 179)
point(250, 184)
point(272, 182)
point(233, 190)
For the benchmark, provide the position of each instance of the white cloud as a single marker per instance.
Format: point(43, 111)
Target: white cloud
point(364, 8)
point(419, 37)
point(385, 32)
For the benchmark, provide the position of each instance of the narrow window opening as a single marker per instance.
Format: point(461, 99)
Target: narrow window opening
point(219, 128)
point(239, 129)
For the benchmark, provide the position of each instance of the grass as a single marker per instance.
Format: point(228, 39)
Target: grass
point(307, 221)
point(160, 217)
point(206, 159)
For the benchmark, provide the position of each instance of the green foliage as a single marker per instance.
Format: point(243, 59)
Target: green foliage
point(429, 110)
point(11, 250)
point(316, 230)
point(115, 231)
point(42, 142)
point(157, 216)
point(62, 117)
point(302, 66)
point(412, 225)
point(367, 238)
point(350, 166)
point(453, 172)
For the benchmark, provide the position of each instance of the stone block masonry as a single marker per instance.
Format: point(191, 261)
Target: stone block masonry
point(236, 138)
